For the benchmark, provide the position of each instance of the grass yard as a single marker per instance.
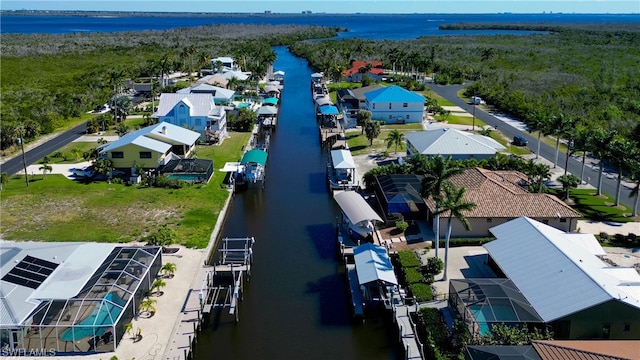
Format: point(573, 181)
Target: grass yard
point(597, 208)
point(54, 208)
point(359, 144)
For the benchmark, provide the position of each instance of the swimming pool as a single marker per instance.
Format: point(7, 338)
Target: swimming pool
point(103, 315)
point(189, 177)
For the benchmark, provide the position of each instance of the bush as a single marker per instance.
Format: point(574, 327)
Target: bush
point(408, 258)
point(421, 292)
point(162, 237)
point(603, 237)
point(413, 275)
point(402, 225)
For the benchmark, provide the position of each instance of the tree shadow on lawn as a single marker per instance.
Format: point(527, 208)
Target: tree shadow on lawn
point(595, 208)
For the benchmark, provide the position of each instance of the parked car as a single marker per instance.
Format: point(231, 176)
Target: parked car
point(519, 141)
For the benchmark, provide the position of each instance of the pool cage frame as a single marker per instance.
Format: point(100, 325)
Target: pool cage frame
point(94, 320)
point(497, 299)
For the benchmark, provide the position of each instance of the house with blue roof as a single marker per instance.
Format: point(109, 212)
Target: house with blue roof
point(196, 111)
point(395, 105)
point(150, 147)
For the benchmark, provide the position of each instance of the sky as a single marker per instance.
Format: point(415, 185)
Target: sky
point(334, 6)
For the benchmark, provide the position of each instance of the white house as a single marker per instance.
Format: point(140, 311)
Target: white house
point(228, 64)
point(461, 145)
point(395, 105)
point(197, 112)
point(220, 95)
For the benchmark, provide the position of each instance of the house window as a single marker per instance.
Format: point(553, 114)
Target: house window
point(408, 116)
point(390, 117)
point(145, 154)
point(182, 110)
point(627, 327)
point(405, 105)
point(117, 155)
point(606, 330)
point(198, 122)
point(563, 220)
point(489, 220)
point(373, 106)
point(389, 106)
point(546, 222)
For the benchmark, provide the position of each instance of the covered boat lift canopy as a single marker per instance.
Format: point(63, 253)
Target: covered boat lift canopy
point(373, 265)
point(256, 156)
point(342, 159)
point(329, 110)
point(355, 207)
point(267, 110)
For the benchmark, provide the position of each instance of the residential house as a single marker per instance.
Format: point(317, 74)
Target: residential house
point(372, 69)
point(500, 196)
point(221, 96)
point(150, 147)
point(196, 111)
point(395, 105)
point(559, 349)
point(214, 80)
point(567, 280)
point(67, 298)
point(460, 145)
point(224, 63)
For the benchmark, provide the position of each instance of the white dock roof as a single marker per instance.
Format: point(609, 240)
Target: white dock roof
point(373, 264)
point(355, 207)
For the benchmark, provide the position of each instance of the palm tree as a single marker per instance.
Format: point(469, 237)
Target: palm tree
point(103, 166)
point(454, 204)
point(538, 120)
point(559, 126)
point(396, 138)
point(147, 306)
point(438, 171)
point(622, 150)
point(45, 168)
point(634, 166)
point(122, 129)
point(372, 130)
point(157, 286)
point(364, 116)
point(169, 269)
point(120, 106)
point(568, 181)
point(115, 79)
point(599, 144)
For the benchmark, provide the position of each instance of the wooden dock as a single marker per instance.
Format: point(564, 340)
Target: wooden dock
point(408, 337)
point(212, 289)
point(191, 319)
point(356, 296)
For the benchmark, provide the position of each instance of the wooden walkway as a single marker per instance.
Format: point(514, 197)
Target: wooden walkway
point(191, 318)
point(413, 349)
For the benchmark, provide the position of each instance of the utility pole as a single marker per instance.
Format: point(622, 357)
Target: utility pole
point(24, 158)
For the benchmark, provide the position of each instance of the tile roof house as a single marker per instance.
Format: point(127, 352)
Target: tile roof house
point(559, 350)
point(500, 197)
point(395, 105)
point(197, 111)
point(374, 72)
point(461, 145)
point(150, 147)
point(567, 284)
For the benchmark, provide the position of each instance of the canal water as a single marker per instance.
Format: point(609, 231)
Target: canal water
point(296, 304)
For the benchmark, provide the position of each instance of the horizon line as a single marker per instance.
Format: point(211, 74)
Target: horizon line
point(309, 12)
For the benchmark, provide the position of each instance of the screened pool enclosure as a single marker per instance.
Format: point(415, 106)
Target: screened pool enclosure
point(95, 318)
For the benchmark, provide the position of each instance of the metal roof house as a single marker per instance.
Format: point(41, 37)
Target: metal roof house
point(150, 147)
point(197, 111)
point(395, 105)
point(461, 145)
point(221, 96)
point(71, 297)
point(568, 285)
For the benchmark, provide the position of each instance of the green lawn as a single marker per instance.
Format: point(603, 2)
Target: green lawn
point(597, 208)
point(460, 120)
point(54, 208)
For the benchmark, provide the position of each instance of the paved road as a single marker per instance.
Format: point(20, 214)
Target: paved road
point(449, 92)
point(15, 164)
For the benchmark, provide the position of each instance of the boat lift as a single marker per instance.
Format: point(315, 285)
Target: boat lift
point(229, 271)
